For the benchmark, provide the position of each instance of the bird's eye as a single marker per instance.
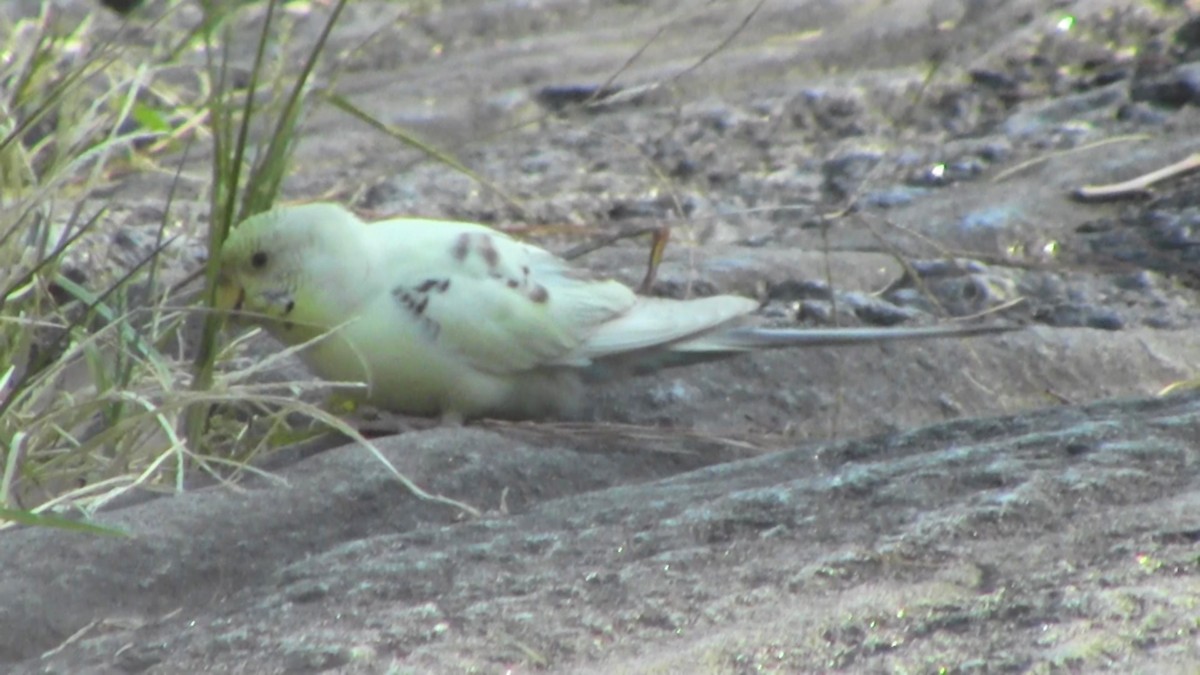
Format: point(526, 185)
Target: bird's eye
point(258, 260)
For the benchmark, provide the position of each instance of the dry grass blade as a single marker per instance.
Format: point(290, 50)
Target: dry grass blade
point(1139, 186)
point(340, 426)
point(409, 139)
point(598, 243)
point(1030, 163)
point(754, 446)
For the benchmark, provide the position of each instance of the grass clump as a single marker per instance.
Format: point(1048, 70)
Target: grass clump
point(102, 384)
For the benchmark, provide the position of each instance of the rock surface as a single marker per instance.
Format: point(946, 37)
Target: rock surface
point(1064, 538)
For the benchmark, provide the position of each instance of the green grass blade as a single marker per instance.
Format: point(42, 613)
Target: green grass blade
point(49, 520)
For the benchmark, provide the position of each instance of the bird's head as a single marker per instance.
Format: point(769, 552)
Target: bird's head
point(296, 266)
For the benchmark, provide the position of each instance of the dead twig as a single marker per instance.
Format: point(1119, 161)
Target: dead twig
point(1139, 186)
point(1030, 163)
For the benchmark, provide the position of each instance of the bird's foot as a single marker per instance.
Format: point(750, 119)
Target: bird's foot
point(375, 422)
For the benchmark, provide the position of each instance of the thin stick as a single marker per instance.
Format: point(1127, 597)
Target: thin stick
point(1138, 186)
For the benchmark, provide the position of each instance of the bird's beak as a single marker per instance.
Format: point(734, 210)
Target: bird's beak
point(230, 295)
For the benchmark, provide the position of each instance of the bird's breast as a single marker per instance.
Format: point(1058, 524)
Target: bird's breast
point(404, 364)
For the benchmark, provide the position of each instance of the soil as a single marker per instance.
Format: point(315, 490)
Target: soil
point(1014, 503)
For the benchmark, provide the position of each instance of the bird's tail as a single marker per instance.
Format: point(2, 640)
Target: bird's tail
point(748, 338)
point(722, 344)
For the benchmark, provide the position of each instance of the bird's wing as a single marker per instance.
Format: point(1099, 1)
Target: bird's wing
point(661, 322)
point(503, 306)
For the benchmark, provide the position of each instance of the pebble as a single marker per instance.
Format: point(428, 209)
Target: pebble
point(1176, 88)
point(877, 312)
point(845, 171)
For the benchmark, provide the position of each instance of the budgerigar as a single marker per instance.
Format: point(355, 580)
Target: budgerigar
point(463, 321)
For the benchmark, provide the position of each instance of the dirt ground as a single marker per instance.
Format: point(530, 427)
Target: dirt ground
point(1016, 503)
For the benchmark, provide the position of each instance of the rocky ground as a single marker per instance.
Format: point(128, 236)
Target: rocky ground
point(1005, 504)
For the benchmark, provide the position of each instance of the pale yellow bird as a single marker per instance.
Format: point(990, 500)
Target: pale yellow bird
point(462, 321)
